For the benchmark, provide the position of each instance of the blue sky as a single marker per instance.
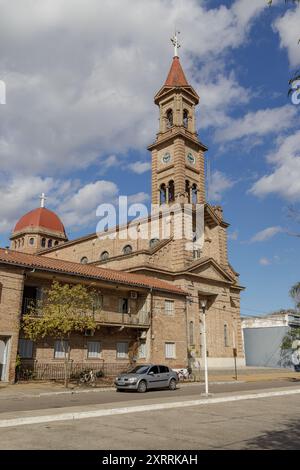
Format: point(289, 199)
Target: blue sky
point(79, 115)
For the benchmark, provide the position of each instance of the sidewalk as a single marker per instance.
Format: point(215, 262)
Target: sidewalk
point(246, 374)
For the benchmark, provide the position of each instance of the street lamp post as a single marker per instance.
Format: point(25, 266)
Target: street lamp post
point(203, 304)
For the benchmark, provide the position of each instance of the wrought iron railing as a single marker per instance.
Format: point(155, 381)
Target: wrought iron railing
point(141, 318)
point(131, 319)
point(35, 370)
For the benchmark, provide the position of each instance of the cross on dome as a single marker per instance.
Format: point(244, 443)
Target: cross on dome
point(43, 199)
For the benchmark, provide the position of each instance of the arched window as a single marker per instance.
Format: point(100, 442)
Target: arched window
point(127, 249)
point(169, 116)
point(31, 241)
point(56, 243)
point(194, 194)
point(50, 242)
point(163, 194)
point(226, 342)
point(187, 190)
point(185, 118)
point(84, 260)
point(153, 242)
point(104, 255)
point(43, 242)
point(171, 191)
point(191, 332)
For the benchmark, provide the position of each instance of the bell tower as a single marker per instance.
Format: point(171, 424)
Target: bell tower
point(177, 153)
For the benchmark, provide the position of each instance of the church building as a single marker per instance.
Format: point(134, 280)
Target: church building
point(182, 273)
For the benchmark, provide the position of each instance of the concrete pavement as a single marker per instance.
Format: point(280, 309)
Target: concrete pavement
point(268, 421)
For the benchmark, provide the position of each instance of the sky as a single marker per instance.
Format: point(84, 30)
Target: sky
point(80, 79)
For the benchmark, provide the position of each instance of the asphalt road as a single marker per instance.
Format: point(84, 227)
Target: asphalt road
point(260, 423)
point(105, 397)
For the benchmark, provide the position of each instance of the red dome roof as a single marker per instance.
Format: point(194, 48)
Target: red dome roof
point(40, 217)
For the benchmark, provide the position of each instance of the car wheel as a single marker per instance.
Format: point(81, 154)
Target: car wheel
point(120, 390)
point(172, 384)
point(142, 387)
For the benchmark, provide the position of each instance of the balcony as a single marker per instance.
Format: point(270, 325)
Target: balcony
point(140, 319)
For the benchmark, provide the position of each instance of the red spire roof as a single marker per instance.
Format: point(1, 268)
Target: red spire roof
point(40, 217)
point(176, 75)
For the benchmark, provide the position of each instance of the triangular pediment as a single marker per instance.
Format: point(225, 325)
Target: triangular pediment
point(210, 269)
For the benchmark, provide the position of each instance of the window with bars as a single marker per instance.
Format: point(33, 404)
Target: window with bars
point(170, 351)
point(169, 307)
point(93, 349)
point(122, 350)
point(25, 348)
point(61, 349)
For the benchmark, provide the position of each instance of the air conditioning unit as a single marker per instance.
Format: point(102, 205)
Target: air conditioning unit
point(89, 332)
point(133, 294)
point(143, 335)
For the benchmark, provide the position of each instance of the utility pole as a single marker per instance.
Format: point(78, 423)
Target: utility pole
point(203, 304)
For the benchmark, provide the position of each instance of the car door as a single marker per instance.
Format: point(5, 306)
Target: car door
point(164, 376)
point(153, 377)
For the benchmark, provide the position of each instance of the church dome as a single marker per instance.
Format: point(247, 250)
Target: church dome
point(40, 218)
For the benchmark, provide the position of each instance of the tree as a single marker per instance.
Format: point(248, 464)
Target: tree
point(293, 333)
point(295, 294)
point(294, 81)
point(64, 309)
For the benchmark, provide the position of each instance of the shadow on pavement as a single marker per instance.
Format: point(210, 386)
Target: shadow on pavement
point(286, 439)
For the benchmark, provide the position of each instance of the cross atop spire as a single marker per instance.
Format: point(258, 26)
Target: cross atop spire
point(43, 199)
point(175, 42)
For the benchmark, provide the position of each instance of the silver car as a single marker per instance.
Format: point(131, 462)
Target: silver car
point(147, 377)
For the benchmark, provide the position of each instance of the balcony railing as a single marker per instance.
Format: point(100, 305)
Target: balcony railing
point(130, 319)
point(138, 319)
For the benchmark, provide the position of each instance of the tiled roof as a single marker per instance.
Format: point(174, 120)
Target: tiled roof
point(84, 270)
point(40, 217)
point(176, 75)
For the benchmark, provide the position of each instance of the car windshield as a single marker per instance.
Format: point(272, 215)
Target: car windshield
point(139, 370)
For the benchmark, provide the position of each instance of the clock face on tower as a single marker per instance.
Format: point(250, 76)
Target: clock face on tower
point(166, 158)
point(191, 159)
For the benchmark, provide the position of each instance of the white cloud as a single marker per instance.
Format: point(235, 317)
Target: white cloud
point(73, 202)
point(18, 196)
point(288, 27)
point(218, 96)
point(233, 235)
point(140, 167)
point(81, 76)
point(266, 234)
point(284, 180)
point(80, 208)
point(259, 123)
point(138, 198)
point(264, 261)
point(217, 185)
point(109, 162)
